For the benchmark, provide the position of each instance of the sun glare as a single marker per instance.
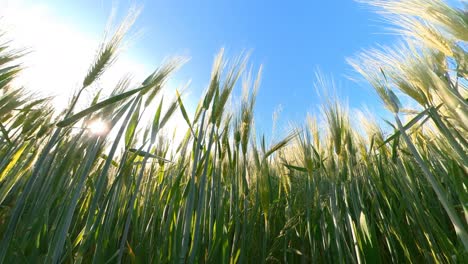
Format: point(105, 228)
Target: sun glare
point(98, 127)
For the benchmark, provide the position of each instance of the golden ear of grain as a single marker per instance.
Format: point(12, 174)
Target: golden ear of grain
point(323, 194)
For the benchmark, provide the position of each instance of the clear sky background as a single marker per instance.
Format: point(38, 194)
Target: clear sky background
point(292, 39)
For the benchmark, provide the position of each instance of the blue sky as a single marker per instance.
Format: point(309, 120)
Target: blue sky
point(292, 39)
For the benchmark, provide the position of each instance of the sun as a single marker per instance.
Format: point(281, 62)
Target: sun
point(98, 127)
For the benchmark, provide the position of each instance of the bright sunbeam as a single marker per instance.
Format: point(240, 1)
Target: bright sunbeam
point(98, 127)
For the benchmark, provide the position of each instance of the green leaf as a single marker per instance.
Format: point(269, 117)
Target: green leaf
point(143, 153)
point(411, 123)
point(110, 101)
point(157, 115)
point(293, 167)
point(184, 113)
point(130, 132)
